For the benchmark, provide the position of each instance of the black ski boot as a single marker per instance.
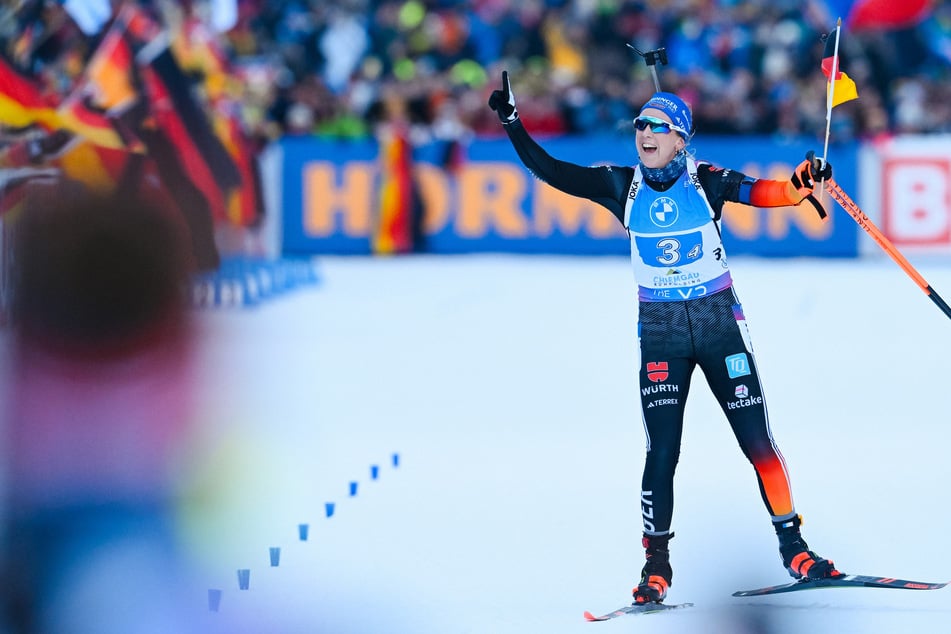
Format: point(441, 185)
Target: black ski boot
point(797, 558)
point(656, 575)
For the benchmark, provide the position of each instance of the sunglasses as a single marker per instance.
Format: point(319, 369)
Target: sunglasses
point(657, 126)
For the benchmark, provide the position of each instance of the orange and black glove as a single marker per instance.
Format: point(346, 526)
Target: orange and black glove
point(807, 175)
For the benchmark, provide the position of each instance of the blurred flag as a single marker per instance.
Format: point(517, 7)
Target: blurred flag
point(175, 113)
point(245, 205)
point(840, 86)
point(109, 74)
point(193, 165)
point(22, 104)
point(106, 89)
point(102, 170)
point(180, 119)
point(394, 229)
point(887, 14)
point(95, 127)
point(197, 50)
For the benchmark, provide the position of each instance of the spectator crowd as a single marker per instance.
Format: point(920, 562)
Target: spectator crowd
point(334, 68)
point(752, 67)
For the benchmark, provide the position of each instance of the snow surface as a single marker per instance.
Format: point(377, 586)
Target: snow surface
point(507, 387)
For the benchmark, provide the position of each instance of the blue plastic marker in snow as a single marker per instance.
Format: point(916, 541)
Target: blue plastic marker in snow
point(330, 508)
point(396, 460)
point(214, 599)
point(353, 489)
point(302, 530)
point(244, 578)
point(374, 472)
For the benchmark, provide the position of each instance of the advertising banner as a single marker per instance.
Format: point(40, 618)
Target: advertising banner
point(907, 183)
point(488, 201)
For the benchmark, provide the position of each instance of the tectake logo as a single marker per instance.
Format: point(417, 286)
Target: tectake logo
point(657, 371)
point(737, 365)
point(664, 212)
point(745, 402)
point(741, 391)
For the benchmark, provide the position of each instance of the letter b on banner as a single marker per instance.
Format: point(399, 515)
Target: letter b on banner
point(917, 205)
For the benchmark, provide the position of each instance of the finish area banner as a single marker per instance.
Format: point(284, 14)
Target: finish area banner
point(483, 199)
point(907, 183)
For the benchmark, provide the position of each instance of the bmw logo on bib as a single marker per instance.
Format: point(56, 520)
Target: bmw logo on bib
point(664, 212)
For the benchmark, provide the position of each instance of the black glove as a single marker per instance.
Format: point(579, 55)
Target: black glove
point(811, 171)
point(503, 101)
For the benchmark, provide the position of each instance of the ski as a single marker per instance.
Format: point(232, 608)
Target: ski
point(842, 581)
point(646, 608)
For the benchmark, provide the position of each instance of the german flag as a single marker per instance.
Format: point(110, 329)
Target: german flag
point(176, 113)
point(21, 101)
point(182, 121)
point(394, 231)
point(199, 54)
point(22, 104)
point(245, 206)
point(109, 73)
point(98, 128)
point(839, 86)
point(106, 91)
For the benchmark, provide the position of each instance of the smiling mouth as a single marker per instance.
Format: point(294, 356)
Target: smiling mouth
point(648, 148)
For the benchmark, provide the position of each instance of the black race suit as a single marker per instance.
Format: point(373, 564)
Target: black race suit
point(706, 330)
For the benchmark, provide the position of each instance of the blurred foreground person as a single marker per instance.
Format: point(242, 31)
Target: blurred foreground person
point(95, 412)
point(689, 314)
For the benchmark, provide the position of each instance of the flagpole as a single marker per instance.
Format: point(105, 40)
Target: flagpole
point(830, 99)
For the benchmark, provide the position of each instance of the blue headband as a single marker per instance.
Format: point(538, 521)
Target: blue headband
point(674, 107)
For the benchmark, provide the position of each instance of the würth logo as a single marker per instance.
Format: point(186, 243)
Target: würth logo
point(657, 371)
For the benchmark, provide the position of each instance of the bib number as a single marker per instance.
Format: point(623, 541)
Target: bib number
point(668, 251)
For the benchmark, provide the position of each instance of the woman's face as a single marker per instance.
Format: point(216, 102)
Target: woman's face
point(657, 149)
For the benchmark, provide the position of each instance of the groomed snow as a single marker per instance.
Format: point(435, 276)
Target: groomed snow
point(507, 387)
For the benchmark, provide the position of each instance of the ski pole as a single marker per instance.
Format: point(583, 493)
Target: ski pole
point(863, 221)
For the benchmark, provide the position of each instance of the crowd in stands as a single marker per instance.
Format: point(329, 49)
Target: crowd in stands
point(747, 67)
point(335, 68)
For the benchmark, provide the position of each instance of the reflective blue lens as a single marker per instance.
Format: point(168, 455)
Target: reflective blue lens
point(657, 126)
